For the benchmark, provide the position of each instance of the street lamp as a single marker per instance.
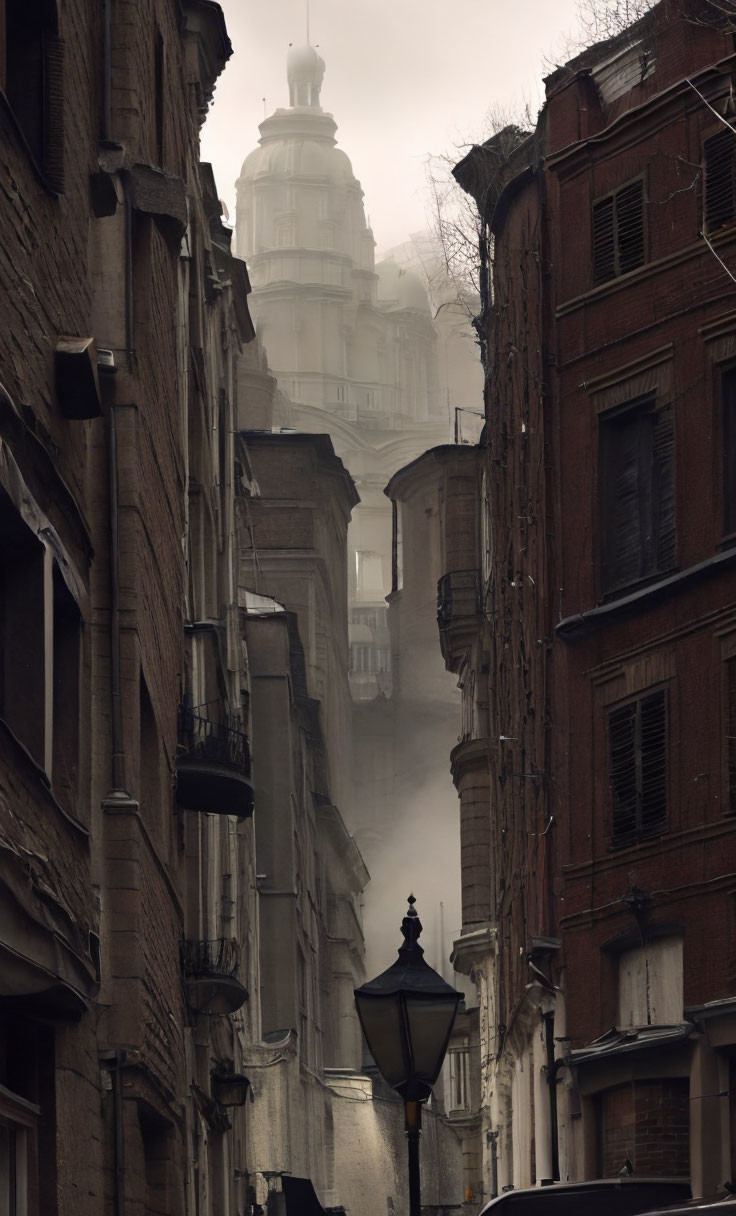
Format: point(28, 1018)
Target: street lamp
point(407, 1014)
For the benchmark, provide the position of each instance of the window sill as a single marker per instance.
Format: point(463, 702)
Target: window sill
point(41, 777)
point(639, 837)
point(582, 624)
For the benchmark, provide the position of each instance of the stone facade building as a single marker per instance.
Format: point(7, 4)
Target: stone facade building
point(596, 760)
point(352, 344)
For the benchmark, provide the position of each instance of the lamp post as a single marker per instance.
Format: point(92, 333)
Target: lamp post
point(407, 1014)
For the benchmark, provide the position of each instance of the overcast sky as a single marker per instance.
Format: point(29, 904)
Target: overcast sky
point(403, 78)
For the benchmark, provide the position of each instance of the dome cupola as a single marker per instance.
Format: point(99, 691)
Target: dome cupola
point(305, 71)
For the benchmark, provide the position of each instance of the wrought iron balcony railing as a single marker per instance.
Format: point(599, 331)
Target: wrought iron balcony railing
point(211, 976)
point(213, 763)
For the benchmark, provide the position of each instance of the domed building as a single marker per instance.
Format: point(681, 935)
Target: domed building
point(352, 345)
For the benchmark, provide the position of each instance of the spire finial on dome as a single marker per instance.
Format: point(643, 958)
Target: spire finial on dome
point(305, 70)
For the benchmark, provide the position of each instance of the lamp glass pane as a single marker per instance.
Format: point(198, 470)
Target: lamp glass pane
point(430, 1022)
point(385, 1036)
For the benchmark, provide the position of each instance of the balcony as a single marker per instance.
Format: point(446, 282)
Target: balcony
point(212, 764)
point(211, 976)
point(458, 612)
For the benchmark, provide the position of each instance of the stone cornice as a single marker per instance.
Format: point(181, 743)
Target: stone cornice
point(473, 948)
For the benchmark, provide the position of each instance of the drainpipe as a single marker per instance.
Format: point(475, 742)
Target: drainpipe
point(493, 1137)
point(116, 712)
point(106, 70)
point(552, 1066)
point(119, 1135)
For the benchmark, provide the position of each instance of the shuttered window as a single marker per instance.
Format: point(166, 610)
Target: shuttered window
point(32, 80)
point(637, 494)
point(618, 232)
point(720, 179)
point(730, 740)
point(638, 767)
point(728, 430)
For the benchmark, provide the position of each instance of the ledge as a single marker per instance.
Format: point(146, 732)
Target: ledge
point(473, 948)
point(581, 624)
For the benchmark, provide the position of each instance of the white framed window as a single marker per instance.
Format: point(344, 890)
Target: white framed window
point(18, 1123)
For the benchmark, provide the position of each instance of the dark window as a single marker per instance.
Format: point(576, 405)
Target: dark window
point(158, 96)
point(720, 179)
point(22, 631)
point(638, 767)
point(32, 82)
point(40, 653)
point(618, 232)
point(730, 740)
point(67, 627)
point(637, 494)
point(728, 405)
point(27, 1114)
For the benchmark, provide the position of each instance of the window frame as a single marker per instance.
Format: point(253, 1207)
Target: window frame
point(725, 478)
point(641, 830)
point(40, 128)
point(597, 203)
point(721, 135)
point(662, 559)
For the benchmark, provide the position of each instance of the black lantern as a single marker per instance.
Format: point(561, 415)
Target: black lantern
point(229, 1088)
point(407, 1015)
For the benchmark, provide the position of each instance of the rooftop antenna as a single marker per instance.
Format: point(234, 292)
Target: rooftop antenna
point(264, 106)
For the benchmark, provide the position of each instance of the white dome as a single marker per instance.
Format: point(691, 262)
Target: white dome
point(299, 158)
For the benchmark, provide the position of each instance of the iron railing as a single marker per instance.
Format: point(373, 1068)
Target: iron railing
point(218, 957)
point(202, 736)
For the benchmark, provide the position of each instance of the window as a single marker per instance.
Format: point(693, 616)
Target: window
point(31, 79)
point(720, 179)
point(728, 415)
point(637, 735)
point(285, 233)
point(369, 575)
point(650, 984)
point(366, 657)
point(398, 549)
point(158, 96)
point(637, 494)
point(730, 732)
point(618, 232)
point(458, 1078)
point(40, 633)
point(27, 1116)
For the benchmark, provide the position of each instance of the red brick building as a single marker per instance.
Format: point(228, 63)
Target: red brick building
point(125, 913)
point(608, 600)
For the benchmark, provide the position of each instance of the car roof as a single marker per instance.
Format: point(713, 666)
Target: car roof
point(538, 1194)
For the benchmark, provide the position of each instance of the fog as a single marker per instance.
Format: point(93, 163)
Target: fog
point(403, 79)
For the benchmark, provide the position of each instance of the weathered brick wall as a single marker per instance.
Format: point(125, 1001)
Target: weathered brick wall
point(647, 1122)
point(519, 601)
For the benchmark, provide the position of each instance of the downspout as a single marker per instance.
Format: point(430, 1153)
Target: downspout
point(549, 894)
point(116, 709)
point(552, 1066)
point(117, 1083)
point(106, 70)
